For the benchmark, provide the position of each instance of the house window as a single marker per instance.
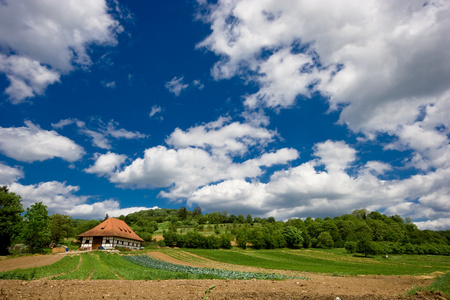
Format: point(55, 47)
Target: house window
point(107, 241)
point(86, 241)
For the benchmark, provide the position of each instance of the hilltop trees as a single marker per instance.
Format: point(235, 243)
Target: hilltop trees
point(10, 210)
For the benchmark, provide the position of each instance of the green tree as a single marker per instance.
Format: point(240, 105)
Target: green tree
point(292, 236)
point(324, 240)
point(242, 237)
point(366, 247)
point(183, 213)
point(241, 219)
point(306, 239)
point(36, 229)
point(61, 227)
point(249, 219)
point(360, 213)
point(350, 246)
point(10, 219)
point(273, 239)
point(197, 212)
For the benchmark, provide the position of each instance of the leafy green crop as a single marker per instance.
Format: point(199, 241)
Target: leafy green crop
point(146, 261)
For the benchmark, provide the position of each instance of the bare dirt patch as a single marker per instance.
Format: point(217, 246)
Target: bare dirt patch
point(26, 262)
point(190, 289)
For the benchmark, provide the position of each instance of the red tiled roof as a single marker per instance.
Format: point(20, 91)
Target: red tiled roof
point(112, 227)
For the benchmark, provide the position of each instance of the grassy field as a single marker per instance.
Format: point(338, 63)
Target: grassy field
point(332, 261)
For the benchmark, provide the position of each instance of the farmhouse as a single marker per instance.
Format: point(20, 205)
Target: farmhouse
point(109, 234)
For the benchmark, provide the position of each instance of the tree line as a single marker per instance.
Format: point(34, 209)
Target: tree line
point(359, 232)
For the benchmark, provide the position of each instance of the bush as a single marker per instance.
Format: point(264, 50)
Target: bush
point(225, 242)
point(366, 247)
point(293, 237)
point(409, 248)
point(324, 240)
point(350, 247)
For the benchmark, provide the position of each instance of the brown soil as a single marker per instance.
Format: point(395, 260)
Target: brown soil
point(25, 262)
point(317, 287)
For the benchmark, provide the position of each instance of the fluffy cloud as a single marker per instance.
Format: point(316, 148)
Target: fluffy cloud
point(57, 196)
point(9, 175)
point(43, 39)
point(305, 190)
point(99, 209)
point(61, 198)
point(382, 60)
point(31, 143)
point(200, 155)
point(27, 77)
point(336, 156)
point(221, 137)
point(439, 224)
point(106, 163)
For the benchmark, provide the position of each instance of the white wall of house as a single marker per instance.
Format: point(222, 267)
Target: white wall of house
point(110, 243)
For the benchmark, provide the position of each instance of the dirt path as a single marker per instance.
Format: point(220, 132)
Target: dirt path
point(25, 262)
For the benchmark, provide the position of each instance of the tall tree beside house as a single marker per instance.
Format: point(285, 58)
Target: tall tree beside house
point(36, 226)
point(61, 227)
point(10, 218)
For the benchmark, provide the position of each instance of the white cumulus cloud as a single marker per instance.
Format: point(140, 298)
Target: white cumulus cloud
point(41, 40)
point(31, 143)
point(61, 198)
point(9, 175)
point(200, 155)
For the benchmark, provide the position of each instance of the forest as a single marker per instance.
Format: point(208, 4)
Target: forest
point(364, 232)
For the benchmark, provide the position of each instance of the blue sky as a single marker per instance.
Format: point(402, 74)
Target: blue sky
point(274, 108)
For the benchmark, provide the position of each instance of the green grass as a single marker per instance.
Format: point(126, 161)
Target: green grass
point(333, 261)
point(84, 271)
point(440, 284)
point(101, 269)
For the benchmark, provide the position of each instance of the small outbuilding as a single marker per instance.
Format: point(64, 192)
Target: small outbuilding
point(109, 234)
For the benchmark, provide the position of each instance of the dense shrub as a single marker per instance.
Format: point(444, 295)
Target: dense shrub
point(350, 246)
point(324, 240)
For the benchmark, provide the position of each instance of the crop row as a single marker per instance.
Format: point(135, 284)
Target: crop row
point(148, 262)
